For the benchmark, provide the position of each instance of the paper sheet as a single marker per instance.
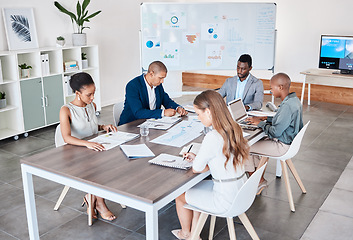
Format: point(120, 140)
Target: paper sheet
point(137, 151)
point(113, 139)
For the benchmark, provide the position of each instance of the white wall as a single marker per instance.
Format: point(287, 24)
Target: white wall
point(116, 30)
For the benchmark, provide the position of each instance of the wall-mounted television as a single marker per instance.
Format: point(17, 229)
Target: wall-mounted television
point(336, 52)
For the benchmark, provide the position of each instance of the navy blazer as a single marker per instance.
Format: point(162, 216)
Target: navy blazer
point(136, 105)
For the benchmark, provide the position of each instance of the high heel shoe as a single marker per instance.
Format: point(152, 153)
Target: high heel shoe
point(107, 215)
point(94, 215)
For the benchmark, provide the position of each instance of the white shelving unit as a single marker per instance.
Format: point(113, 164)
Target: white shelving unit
point(35, 102)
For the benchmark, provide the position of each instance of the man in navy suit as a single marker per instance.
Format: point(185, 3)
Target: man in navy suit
point(145, 95)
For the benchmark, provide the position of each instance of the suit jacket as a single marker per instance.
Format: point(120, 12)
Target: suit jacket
point(253, 91)
point(136, 105)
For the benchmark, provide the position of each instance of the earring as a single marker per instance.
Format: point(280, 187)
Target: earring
point(78, 98)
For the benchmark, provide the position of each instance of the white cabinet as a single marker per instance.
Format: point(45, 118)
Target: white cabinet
point(35, 102)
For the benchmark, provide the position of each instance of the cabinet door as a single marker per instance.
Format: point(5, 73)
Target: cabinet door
point(54, 97)
point(33, 111)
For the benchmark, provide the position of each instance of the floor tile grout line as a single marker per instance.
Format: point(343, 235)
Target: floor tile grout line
point(337, 214)
point(9, 234)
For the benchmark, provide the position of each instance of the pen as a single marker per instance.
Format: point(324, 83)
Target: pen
point(188, 151)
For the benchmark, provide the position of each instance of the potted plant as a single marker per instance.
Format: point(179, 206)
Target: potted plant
point(84, 60)
point(78, 38)
point(2, 100)
point(60, 41)
point(25, 70)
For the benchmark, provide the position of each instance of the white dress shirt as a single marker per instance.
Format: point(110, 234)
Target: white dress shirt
point(151, 96)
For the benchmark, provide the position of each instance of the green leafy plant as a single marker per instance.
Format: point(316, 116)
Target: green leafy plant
point(81, 14)
point(24, 66)
point(60, 38)
point(2, 95)
point(83, 56)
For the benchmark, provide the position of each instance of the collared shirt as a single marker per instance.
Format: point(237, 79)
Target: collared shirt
point(151, 96)
point(240, 87)
point(287, 122)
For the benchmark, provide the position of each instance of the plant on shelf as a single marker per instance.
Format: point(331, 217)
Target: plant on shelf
point(25, 70)
point(2, 99)
point(84, 60)
point(79, 19)
point(60, 41)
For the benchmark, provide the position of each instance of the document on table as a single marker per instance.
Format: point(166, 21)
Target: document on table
point(189, 108)
point(180, 134)
point(168, 160)
point(194, 149)
point(261, 113)
point(137, 151)
point(163, 123)
point(113, 139)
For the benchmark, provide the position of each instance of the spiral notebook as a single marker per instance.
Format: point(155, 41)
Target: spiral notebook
point(168, 160)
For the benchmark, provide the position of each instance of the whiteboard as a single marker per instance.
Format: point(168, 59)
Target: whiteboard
point(207, 36)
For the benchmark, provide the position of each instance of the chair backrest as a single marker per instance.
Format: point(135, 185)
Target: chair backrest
point(246, 195)
point(294, 147)
point(59, 141)
point(117, 110)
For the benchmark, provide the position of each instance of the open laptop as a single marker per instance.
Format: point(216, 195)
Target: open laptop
point(239, 114)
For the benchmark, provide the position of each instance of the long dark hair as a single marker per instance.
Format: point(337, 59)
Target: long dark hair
point(223, 123)
point(79, 80)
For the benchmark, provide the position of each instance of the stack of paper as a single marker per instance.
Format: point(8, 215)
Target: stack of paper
point(137, 151)
point(163, 123)
point(113, 139)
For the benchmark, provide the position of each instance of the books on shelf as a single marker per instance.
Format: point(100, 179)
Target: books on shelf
point(1, 77)
point(70, 66)
point(113, 139)
point(136, 151)
point(172, 161)
point(45, 64)
point(68, 90)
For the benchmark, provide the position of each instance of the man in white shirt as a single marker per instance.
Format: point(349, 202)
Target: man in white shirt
point(145, 95)
point(244, 85)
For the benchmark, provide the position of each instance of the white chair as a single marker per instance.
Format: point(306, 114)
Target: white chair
point(117, 110)
point(241, 203)
point(286, 159)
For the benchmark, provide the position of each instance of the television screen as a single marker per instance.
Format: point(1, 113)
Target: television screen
point(336, 52)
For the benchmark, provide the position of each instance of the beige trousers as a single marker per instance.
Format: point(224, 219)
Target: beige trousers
point(266, 146)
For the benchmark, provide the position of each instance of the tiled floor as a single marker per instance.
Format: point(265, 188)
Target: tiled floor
point(325, 212)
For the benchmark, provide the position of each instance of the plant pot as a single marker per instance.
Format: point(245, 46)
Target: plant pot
point(79, 39)
point(25, 73)
point(84, 63)
point(60, 43)
point(2, 103)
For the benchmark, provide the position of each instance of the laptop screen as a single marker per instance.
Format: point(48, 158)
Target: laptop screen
point(237, 109)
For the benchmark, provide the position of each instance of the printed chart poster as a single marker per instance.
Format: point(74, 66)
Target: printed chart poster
point(170, 54)
point(212, 31)
point(214, 55)
point(152, 42)
point(174, 20)
point(191, 39)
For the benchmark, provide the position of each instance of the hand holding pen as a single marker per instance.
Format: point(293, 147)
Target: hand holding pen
point(189, 156)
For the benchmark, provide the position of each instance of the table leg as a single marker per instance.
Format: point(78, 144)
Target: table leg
point(303, 91)
point(30, 204)
point(151, 224)
point(309, 86)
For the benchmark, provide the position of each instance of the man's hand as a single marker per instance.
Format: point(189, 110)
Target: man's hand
point(169, 112)
point(256, 120)
point(182, 111)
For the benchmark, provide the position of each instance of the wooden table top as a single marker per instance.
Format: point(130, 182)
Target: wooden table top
point(113, 171)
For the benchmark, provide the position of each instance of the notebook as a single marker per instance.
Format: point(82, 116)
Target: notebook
point(172, 161)
point(136, 151)
point(239, 114)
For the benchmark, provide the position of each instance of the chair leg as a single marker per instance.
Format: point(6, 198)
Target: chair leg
point(212, 226)
point(278, 169)
point(295, 174)
point(123, 206)
point(200, 223)
point(231, 228)
point(289, 190)
point(61, 197)
point(90, 209)
point(248, 226)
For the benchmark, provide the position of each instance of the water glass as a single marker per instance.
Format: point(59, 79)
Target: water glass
point(144, 130)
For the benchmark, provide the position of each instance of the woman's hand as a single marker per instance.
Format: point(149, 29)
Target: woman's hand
point(255, 120)
point(95, 146)
point(189, 156)
point(109, 128)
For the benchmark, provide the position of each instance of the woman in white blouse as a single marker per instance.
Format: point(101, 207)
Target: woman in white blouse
point(78, 120)
point(222, 152)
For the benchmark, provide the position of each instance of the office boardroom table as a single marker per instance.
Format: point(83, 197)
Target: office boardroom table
point(109, 174)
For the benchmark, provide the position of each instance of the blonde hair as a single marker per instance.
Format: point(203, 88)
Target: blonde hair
point(234, 142)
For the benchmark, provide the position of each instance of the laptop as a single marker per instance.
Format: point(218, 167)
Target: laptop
point(239, 114)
